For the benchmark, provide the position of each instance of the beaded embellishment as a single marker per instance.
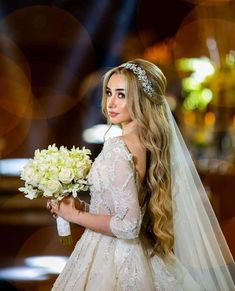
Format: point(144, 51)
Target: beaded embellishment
point(141, 74)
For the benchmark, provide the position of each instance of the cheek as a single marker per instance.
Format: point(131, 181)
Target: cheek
point(126, 111)
point(107, 104)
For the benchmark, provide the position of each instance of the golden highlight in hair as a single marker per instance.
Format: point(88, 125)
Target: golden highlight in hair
point(154, 132)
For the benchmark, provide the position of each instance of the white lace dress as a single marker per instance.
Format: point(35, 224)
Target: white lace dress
point(105, 263)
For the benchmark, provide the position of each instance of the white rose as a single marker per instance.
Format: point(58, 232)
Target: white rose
point(27, 171)
point(54, 170)
point(35, 179)
point(31, 175)
point(51, 187)
point(80, 172)
point(66, 175)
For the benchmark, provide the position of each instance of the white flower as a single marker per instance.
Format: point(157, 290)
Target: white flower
point(66, 175)
point(52, 187)
point(29, 191)
point(56, 172)
point(79, 173)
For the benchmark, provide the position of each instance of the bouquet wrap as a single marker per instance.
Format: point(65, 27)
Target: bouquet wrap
point(64, 231)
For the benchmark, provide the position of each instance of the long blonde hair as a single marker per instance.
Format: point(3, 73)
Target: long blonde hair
point(154, 133)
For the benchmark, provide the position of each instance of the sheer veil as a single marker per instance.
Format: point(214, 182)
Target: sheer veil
point(199, 242)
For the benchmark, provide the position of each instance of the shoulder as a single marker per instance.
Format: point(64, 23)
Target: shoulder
point(138, 152)
point(133, 145)
point(117, 146)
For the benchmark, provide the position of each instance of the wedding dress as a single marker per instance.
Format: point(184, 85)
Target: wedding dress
point(121, 263)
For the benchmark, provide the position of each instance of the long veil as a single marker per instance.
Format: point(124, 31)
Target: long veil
point(199, 242)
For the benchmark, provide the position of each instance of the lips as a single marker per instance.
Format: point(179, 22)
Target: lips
point(113, 114)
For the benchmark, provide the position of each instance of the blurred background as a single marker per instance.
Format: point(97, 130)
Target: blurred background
point(52, 58)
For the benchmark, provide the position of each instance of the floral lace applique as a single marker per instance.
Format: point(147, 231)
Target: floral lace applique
point(114, 189)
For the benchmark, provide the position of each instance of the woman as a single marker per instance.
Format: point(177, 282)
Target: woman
point(150, 225)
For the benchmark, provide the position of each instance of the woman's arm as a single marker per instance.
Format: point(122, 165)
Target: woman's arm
point(125, 221)
point(67, 210)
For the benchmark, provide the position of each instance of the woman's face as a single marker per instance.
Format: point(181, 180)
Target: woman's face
point(116, 100)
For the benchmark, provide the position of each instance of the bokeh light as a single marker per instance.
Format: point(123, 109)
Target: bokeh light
point(59, 46)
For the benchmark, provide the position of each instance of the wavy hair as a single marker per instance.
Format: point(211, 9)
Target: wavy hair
point(154, 132)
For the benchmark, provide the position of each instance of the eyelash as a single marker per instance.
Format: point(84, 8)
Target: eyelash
point(122, 95)
point(107, 93)
point(119, 94)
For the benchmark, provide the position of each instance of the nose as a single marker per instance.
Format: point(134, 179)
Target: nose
point(111, 102)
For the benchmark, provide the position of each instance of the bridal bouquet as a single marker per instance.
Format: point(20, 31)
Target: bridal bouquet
point(55, 173)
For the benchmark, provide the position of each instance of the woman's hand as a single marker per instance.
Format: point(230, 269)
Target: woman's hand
point(73, 210)
point(66, 208)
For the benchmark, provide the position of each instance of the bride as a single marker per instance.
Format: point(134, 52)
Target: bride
point(149, 225)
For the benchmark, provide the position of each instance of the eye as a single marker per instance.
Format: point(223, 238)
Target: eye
point(121, 95)
point(108, 93)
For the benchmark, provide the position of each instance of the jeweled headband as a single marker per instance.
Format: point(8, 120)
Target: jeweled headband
point(141, 74)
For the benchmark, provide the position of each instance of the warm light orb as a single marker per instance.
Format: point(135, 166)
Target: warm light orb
point(209, 118)
point(59, 46)
point(189, 118)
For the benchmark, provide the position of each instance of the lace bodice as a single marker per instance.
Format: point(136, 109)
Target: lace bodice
point(114, 189)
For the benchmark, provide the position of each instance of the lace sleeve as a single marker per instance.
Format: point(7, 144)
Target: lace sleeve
point(126, 221)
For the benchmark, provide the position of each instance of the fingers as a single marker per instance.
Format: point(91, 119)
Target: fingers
point(53, 206)
point(53, 212)
point(54, 215)
point(48, 204)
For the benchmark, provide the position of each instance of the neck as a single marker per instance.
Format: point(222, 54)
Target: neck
point(129, 128)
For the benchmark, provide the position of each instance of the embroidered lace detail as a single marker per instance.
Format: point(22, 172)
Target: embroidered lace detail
point(101, 262)
point(114, 190)
point(163, 279)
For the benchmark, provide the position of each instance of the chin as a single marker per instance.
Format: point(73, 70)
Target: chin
point(114, 122)
point(119, 120)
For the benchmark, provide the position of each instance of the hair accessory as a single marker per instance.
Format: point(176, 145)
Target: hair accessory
point(141, 74)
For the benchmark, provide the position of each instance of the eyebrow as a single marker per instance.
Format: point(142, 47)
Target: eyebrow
point(118, 89)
